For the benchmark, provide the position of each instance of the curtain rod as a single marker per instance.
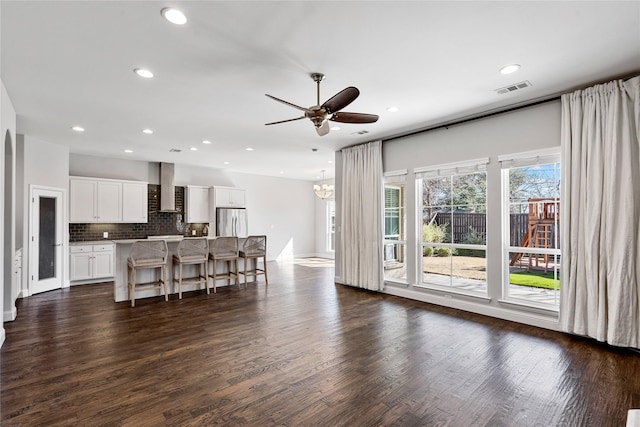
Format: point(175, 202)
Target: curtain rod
point(472, 118)
point(506, 109)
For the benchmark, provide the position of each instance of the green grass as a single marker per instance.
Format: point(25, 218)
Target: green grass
point(534, 279)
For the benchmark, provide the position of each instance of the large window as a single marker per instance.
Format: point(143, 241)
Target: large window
point(453, 226)
point(531, 239)
point(331, 225)
point(395, 267)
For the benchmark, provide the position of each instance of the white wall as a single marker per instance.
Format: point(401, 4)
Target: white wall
point(281, 208)
point(125, 169)
point(7, 127)
point(527, 129)
point(8, 135)
point(45, 165)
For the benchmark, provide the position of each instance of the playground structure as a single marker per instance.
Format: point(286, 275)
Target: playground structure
point(542, 231)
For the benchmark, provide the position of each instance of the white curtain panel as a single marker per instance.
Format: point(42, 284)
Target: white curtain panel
point(362, 213)
point(600, 267)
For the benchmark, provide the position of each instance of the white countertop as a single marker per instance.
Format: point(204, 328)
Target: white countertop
point(91, 242)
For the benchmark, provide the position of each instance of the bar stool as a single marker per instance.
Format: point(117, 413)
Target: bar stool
point(224, 249)
point(255, 247)
point(147, 254)
point(191, 252)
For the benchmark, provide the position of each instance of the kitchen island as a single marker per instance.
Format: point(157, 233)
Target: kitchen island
point(120, 287)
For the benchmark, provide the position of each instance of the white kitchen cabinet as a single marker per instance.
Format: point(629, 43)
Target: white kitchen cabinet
point(107, 200)
point(197, 204)
point(80, 262)
point(88, 262)
point(134, 202)
point(229, 197)
point(82, 200)
point(102, 265)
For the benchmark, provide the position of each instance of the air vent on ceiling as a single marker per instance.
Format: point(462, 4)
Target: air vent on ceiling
point(362, 132)
point(175, 150)
point(513, 87)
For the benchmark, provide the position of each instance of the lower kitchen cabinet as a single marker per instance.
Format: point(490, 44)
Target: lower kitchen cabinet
point(92, 261)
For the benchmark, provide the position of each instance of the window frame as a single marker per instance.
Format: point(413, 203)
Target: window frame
point(331, 226)
point(394, 177)
point(507, 163)
point(449, 170)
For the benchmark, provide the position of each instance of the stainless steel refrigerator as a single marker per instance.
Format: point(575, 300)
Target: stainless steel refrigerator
point(231, 222)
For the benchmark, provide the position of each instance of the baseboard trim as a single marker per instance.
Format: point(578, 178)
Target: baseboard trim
point(25, 292)
point(10, 316)
point(1, 336)
point(485, 309)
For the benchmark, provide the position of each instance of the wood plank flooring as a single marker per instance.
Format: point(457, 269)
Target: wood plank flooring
point(299, 352)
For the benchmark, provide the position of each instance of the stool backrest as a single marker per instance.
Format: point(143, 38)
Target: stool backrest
point(148, 251)
point(224, 247)
point(190, 249)
point(255, 246)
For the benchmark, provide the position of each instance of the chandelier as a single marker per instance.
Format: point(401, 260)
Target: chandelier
point(323, 191)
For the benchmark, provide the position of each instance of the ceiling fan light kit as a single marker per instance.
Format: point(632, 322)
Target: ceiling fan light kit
point(320, 115)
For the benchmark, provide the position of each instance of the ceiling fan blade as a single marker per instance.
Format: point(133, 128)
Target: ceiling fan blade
point(286, 102)
point(324, 129)
point(341, 99)
point(284, 121)
point(354, 118)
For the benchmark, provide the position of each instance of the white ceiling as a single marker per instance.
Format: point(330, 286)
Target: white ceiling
point(68, 63)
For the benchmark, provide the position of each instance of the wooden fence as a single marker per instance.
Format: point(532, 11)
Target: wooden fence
point(461, 223)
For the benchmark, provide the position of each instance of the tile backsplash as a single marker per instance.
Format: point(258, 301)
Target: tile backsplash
point(159, 223)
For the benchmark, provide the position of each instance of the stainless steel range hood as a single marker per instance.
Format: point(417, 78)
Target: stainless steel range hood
point(167, 187)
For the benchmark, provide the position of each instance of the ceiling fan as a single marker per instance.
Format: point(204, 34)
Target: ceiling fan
point(320, 115)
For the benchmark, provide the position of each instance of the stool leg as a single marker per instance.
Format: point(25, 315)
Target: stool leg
point(133, 288)
point(164, 282)
point(215, 274)
point(180, 281)
point(246, 261)
point(264, 262)
point(206, 275)
point(237, 274)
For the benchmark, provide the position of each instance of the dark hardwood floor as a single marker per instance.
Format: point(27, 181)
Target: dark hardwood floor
point(301, 352)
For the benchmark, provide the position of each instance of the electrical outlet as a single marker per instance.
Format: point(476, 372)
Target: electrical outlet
point(105, 234)
point(193, 232)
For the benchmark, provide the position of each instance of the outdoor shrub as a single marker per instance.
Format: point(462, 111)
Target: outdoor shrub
point(427, 251)
point(473, 237)
point(442, 251)
point(433, 233)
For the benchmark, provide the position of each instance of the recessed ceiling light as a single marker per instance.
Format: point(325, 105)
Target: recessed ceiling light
point(508, 69)
point(206, 141)
point(78, 128)
point(249, 149)
point(317, 176)
point(335, 128)
point(143, 73)
point(226, 163)
point(193, 149)
point(281, 172)
point(174, 16)
point(392, 109)
point(330, 161)
point(147, 131)
point(128, 151)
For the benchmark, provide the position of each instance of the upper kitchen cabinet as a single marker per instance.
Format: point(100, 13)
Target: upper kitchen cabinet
point(103, 200)
point(197, 204)
point(134, 202)
point(229, 197)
